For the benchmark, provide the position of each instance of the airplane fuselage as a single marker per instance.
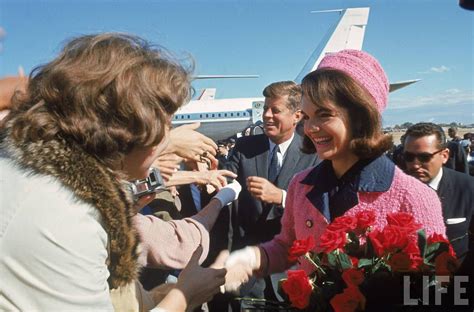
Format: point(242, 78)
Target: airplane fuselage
point(219, 119)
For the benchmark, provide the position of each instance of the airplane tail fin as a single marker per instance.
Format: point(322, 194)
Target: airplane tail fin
point(207, 94)
point(401, 84)
point(348, 33)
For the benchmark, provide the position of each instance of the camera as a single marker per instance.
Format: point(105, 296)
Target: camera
point(151, 184)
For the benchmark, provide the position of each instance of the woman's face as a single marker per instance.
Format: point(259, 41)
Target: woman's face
point(137, 163)
point(328, 128)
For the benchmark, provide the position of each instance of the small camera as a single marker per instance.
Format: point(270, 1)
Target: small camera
point(151, 184)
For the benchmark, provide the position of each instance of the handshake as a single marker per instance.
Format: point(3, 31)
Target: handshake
point(240, 266)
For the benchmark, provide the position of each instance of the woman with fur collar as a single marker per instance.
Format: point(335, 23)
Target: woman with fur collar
point(96, 116)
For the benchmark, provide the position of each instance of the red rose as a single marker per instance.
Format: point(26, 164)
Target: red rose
point(330, 240)
point(446, 264)
point(400, 262)
point(344, 223)
point(365, 219)
point(412, 248)
point(413, 251)
point(300, 247)
point(350, 300)
point(298, 288)
point(394, 238)
point(355, 262)
point(438, 238)
point(403, 220)
point(376, 238)
point(353, 277)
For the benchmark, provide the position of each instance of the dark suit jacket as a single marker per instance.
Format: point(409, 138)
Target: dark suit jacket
point(457, 158)
point(456, 192)
point(254, 221)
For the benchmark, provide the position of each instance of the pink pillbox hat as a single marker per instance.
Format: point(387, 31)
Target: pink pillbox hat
point(363, 68)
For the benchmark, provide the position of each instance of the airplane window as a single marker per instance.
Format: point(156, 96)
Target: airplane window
point(231, 114)
point(238, 114)
point(188, 116)
point(219, 115)
point(225, 114)
point(213, 115)
point(207, 115)
point(200, 116)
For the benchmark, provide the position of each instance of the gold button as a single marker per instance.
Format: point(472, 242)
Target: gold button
point(309, 223)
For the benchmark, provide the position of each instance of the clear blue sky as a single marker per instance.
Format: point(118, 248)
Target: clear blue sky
point(428, 39)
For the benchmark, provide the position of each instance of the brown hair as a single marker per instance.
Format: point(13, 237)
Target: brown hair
point(285, 88)
point(330, 85)
point(423, 129)
point(108, 93)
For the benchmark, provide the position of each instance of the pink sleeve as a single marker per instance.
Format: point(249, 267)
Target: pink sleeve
point(276, 250)
point(424, 204)
point(170, 244)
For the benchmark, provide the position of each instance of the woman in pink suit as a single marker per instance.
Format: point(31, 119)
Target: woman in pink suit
point(342, 104)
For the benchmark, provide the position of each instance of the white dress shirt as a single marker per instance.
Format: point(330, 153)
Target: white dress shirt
point(281, 157)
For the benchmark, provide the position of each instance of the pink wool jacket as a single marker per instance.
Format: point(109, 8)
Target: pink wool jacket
point(302, 218)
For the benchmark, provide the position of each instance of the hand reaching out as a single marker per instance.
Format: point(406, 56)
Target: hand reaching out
point(186, 142)
point(240, 266)
point(200, 284)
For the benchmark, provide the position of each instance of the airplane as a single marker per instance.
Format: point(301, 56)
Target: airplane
point(223, 118)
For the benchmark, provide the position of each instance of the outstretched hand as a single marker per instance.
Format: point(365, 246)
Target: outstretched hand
point(199, 284)
point(216, 178)
point(240, 266)
point(186, 142)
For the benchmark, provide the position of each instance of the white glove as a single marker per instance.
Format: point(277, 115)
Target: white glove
point(240, 264)
point(228, 193)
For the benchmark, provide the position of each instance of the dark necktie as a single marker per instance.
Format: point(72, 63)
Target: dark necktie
point(274, 167)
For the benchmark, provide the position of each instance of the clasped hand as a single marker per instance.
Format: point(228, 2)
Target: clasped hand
point(264, 190)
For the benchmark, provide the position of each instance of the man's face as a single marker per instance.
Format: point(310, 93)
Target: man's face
point(451, 133)
point(222, 149)
point(279, 121)
point(429, 157)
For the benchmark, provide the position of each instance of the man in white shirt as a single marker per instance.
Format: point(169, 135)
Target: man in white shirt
point(425, 151)
point(265, 164)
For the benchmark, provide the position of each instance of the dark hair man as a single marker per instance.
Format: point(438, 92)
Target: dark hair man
point(425, 152)
point(265, 163)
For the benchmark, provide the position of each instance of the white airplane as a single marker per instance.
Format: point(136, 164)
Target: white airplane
point(223, 118)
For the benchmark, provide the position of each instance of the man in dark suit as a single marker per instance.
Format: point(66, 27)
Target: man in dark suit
point(425, 152)
point(265, 164)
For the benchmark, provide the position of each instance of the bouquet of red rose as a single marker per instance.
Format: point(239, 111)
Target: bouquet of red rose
point(360, 266)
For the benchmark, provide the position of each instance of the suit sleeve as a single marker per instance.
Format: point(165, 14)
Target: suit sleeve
point(461, 160)
point(233, 162)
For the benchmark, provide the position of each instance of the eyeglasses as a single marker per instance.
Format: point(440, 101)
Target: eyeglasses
point(422, 157)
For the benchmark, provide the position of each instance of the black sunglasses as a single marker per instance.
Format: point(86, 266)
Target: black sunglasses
point(422, 157)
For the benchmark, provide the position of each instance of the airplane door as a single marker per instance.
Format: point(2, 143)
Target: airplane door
point(257, 111)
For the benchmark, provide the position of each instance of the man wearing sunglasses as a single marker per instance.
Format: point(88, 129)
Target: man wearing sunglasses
point(424, 153)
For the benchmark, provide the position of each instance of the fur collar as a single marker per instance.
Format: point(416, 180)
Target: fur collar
point(94, 184)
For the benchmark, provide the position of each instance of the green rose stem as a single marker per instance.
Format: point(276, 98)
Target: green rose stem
point(320, 269)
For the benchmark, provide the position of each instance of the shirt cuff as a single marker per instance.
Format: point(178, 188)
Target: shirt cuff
point(283, 198)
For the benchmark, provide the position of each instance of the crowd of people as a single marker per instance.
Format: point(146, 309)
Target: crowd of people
point(92, 122)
